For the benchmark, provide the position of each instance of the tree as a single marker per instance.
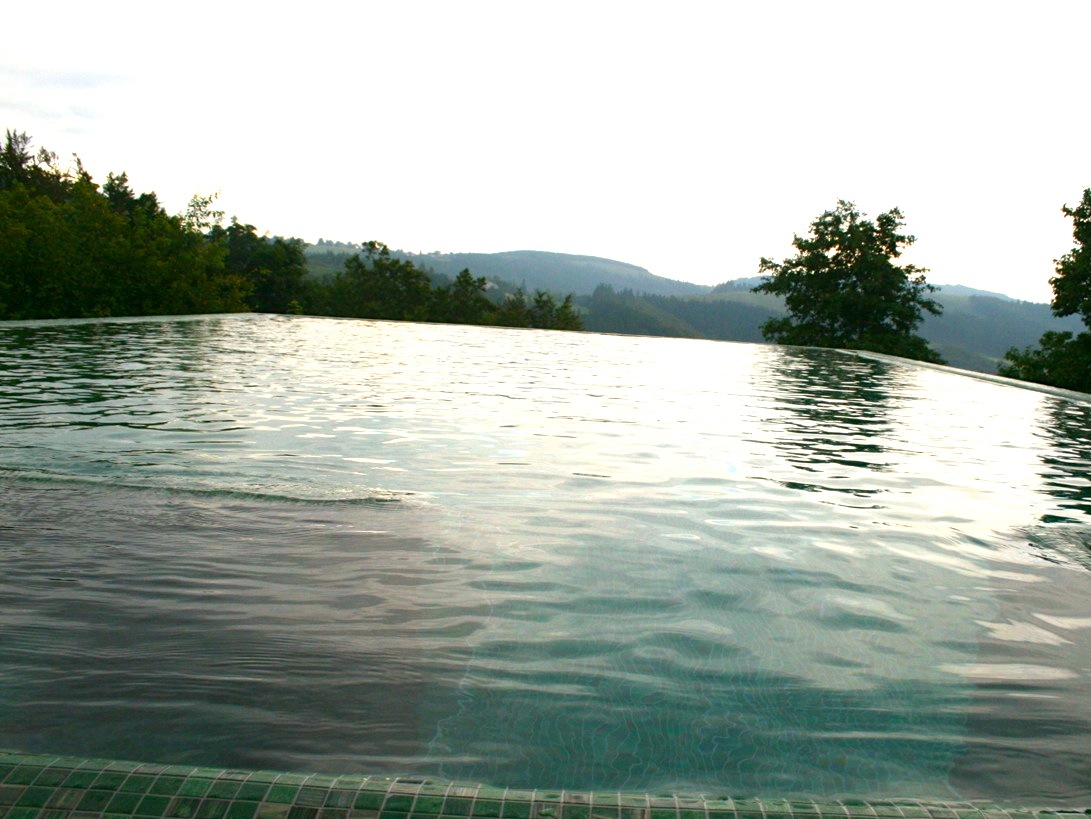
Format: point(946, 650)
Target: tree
point(843, 287)
point(463, 301)
point(1062, 360)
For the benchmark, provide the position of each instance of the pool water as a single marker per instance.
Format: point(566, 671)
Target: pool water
point(540, 559)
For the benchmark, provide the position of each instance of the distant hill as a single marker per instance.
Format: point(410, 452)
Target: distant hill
point(973, 333)
point(750, 282)
point(963, 290)
point(976, 329)
point(560, 273)
point(556, 272)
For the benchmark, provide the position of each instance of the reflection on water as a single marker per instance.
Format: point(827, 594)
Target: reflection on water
point(541, 559)
point(1066, 472)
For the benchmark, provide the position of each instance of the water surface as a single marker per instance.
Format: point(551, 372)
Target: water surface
point(541, 559)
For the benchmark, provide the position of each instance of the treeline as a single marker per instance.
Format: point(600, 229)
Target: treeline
point(1063, 359)
point(72, 249)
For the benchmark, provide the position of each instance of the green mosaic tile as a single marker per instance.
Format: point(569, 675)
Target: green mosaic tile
point(5, 769)
point(273, 811)
point(212, 809)
point(291, 779)
point(126, 767)
point(184, 807)
point(152, 805)
point(430, 805)
point(23, 775)
point(242, 810)
point(137, 783)
point(22, 813)
point(576, 812)
point(720, 808)
point(605, 812)
point(491, 793)
point(457, 806)
point(363, 814)
point(369, 800)
point(61, 814)
point(124, 802)
point(749, 815)
point(166, 785)
point(663, 813)
point(151, 768)
point(340, 799)
point(321, 780)
point(353, 783)
point(309, 797)
point(252, 791)
point(333, 813)
point(487, 808)
point(34, 797)
point(9, 794)
point(398, 803)
point(195, 786)
point(65, 798)
point(95, 800)
point(693, 814)
point(607, 799)
point(434, 789)
point(268, 777)
point(224, 788)
point(516, 810)
point(52, 776)
point(283, 794)
point(110, 780)
point(299, 812)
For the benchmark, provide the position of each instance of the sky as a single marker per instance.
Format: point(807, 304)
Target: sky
point(690, 138)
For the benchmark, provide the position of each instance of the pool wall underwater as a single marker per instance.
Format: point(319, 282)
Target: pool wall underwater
point(47, 787)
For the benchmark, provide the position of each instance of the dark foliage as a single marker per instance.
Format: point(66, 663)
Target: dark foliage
point(69, 249)
point(1062, 359)
point(844, 289)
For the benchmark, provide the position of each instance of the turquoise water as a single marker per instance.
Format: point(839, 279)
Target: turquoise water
point(541, 559)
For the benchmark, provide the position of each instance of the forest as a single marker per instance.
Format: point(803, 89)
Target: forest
point(70, 248)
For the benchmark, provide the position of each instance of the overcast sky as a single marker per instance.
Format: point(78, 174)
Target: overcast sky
point(688, 138)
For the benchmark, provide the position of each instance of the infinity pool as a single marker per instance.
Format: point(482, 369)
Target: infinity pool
point(540, 559)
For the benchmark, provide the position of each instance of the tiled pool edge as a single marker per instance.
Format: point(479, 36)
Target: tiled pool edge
point(62, 787)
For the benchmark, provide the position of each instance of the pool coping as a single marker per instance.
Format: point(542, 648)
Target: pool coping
point(36, 786)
